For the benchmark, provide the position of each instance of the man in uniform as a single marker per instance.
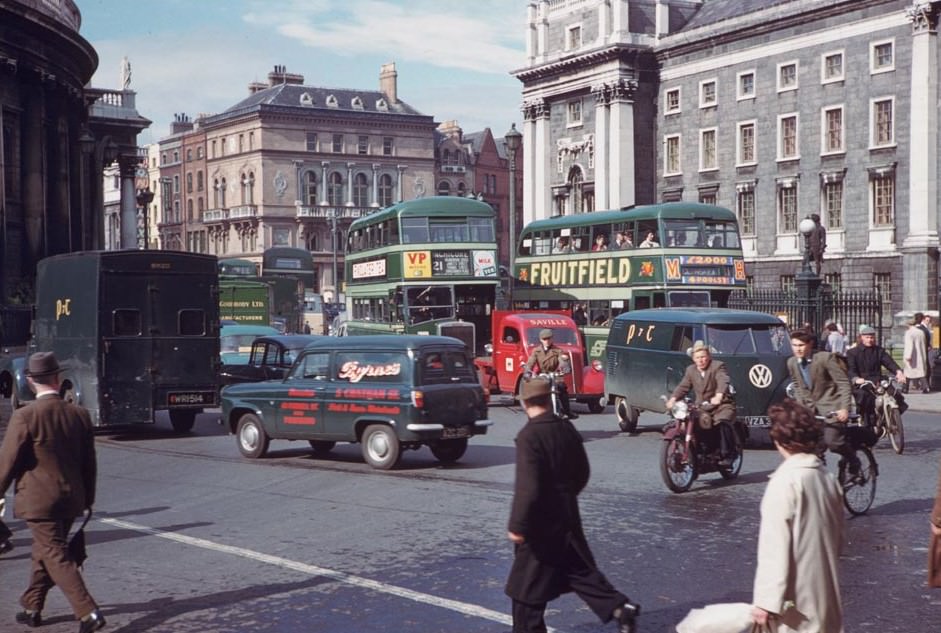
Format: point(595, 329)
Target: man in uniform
point(709, 382)
point(551, 554)
point(549, 359)
point(49, 449)
point(865, 362)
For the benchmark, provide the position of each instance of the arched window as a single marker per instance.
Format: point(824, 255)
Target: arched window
point(446, 156)
point(189, 210)
point(335, 189)
point(215, 194)
point(461, 189)
point(385, 190)
point(176, 210)
point(189, 182)
point(360, 191)
point(313, 242)
point(248, 188)
point(444, 188)
point(200, 207)
point(199, 180)
point(576, 198)
point(310, 189)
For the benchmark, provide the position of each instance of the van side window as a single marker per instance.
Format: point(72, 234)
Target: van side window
point(191, 323)
point(682, 339)
point(126, 323)
point(511, 335)
point(433, 369)
point(462, 366)
point(314, 366)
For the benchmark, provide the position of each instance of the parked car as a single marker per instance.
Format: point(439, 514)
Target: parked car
point(270, 358)
point(386, 392)
point(235, 341)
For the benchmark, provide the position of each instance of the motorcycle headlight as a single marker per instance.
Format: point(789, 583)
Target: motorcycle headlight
point(878, 401)
point(680, 410)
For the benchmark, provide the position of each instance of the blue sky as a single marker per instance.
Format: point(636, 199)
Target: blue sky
point(453, 57)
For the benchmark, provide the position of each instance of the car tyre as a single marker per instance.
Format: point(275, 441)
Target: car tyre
point(595, 406)
point(182, 421)
point(627, 415)
point(251, 436)
point(449, 451)
point(321, 447)
point(381, 448)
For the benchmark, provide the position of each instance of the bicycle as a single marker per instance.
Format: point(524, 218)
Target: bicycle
point(859, 489)
point(888, 419)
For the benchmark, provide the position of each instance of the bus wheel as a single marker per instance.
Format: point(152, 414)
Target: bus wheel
point(381, 447)
point(182, 421)
point(627, 415)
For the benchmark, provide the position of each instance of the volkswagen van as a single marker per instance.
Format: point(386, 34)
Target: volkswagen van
point(648, 351)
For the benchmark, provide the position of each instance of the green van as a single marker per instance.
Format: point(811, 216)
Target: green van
point(648, 351)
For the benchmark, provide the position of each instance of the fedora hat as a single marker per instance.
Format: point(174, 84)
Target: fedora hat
point(42, 364)
point(535, 388)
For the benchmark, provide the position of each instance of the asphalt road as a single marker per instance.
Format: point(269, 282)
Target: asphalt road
point(189, 536)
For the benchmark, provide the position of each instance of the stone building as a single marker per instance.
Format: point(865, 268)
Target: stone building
point(293, 165)
point(778, 109)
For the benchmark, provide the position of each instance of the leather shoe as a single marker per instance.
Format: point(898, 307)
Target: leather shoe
point(571, 416)
point(92, 622)
point(626, 616)
point(5, 547)
point(31, 619)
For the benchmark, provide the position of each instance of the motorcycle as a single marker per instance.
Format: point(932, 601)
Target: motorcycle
point(687, 453)
point(553, 378)
point(888, 418)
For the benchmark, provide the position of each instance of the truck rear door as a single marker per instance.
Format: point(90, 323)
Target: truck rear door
point(453, 396)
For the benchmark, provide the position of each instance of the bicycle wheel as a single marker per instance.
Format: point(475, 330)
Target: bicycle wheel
point(896, 431)
point(859, 491)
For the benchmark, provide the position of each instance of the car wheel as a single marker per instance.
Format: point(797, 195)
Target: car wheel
point(321, 447)
point(381, 447)
point(449, 451)
point(627, 415)
point(252, 439)
point(69, 396)
point(182, 421)
point(595, 406)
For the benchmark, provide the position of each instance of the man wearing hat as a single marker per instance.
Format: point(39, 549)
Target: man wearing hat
point(865, 362)
point(49, 450)
point(549, 359)
point(551, 554)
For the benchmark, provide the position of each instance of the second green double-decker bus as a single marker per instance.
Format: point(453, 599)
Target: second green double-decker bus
point(424, 266)
point(599, 264)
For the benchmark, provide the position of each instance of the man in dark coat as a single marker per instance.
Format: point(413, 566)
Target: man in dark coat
point(865, 362)
point(923, 323)
point(552, 556)
point(49, 449)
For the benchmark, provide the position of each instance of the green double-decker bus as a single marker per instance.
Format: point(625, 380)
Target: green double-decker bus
point(600, 264)
point(426, 266)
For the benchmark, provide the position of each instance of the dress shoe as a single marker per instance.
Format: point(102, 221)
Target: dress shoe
point(31, 619)
point(5, 547)
point(92, 622)
point(571, 416)
point(626, 616)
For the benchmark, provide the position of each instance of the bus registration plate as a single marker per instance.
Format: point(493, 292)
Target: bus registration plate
point(190, 398)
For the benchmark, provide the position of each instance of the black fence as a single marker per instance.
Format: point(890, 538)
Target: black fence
point(850, 308)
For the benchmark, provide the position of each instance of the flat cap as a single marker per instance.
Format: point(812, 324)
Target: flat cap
point(535, 388)
point(866, 329)
point(546, 333)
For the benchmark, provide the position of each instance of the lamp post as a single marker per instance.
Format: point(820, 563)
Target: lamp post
point(513, 139)
point(336, 281)
point(808, 282)
point(144, 198)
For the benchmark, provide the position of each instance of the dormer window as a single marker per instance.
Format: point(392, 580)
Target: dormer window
point(306, 99)
point(382, 105)
point(332, 102)
point(357, 103)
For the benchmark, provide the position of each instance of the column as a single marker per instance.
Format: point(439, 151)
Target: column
point(375, 185)
point(399, 188)
point(602, 174)
point(299, 187)
point(323, 182)
point(529, 164)
point(128, 221)
point(621, 150)
point(349, 184)
point(545, 163)
point(542, 30)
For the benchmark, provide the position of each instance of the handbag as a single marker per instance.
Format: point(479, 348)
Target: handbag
point(77, 543)
point(934, 561)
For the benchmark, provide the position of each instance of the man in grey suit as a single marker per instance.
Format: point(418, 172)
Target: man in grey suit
point(822, 385)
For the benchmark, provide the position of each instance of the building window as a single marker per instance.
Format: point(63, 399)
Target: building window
point(251, 141)
point(831, 67)
point(199, 152)
point(883, 127)
point(708, 94)
point(444, 188)
point(883, 284)
point(833, 204)
point(360, 191)
point(787, 284)
point(671, 157)
point(883, 200)
point(746, 85)
point(241, 143)
point(708, 196)
point(212, 149)
point(222, 188)
point(335, 189)
point(337, 143)
point(787, 209)
point(672, 101)
point(882, 56)
point(176, 156)
point(573, 37)
point(189, 154)
point(222, 146)
point(574, 113)
point(310, 189)
point(362, 145)
point(387, 146)
point(746, 211)
point(248, 188)
point(189, 182)
point(576, 182)
point(745, 154)
point(832, 129)
point(189, 210)
point(176, 184)
point(787, 76)
point(199, 180)
point(385, 190)
point(787, 137)
point(311, 141)
point(707, 150)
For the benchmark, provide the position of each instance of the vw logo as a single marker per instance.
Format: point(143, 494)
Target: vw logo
point(760, 376)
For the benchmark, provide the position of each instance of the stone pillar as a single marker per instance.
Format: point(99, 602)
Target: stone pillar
point(128, 222)
point(399, 188)
point(33, 145)
point(542, 30)
point(299, 198)
point(323, 180)
point(621, 150)
point(544, 163)
point(529, 163)
point(349, 184)
point(602, 174)
point(531, 33)
point(375, 185)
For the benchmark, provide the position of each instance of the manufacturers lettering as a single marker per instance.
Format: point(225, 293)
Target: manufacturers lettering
point(354, 372)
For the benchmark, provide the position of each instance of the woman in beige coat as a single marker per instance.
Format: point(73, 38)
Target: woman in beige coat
point(915, 357)
point(797, 582)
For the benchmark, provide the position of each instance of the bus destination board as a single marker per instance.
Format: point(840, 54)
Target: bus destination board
point(450, 264)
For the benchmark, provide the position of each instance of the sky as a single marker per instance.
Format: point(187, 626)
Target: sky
point(453, 57)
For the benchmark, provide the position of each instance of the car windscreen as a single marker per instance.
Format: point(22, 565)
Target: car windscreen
point(235, 343)
point(560, 336)
point(748, 339)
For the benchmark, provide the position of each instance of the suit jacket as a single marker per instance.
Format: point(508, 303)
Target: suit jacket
point(715, 380)
point(49, 449)
point(830, 386)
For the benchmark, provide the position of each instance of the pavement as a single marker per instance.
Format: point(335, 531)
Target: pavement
point(926, 402)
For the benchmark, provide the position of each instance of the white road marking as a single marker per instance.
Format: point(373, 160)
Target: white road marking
point(339, 576)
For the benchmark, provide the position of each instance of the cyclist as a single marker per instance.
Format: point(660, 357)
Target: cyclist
point(551, 359)
point(821, 383)
point(865, 362)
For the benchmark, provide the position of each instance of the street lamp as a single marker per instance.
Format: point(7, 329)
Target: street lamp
point(806, 227)
point(513, 139)
point(144, 198)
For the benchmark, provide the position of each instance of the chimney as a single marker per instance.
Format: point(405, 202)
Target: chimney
point(662, 12)
point(256, 86)
point(388, 81)
point(181, 123)
point(280, 75)
point(452, 130)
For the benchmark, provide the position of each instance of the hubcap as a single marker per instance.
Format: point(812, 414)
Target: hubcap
point(379, 446)
point(249, 437)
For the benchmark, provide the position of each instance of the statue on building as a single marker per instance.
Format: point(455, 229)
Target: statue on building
point(126, 73)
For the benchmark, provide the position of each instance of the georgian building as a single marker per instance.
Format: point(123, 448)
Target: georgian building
point(776, 109)
point(293, 165)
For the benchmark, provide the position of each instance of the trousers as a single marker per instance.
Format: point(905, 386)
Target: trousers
point(52, 566)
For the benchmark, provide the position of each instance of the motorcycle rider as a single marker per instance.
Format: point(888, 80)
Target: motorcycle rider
point(865, 362)
point(551, 359)
point(709, 381)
